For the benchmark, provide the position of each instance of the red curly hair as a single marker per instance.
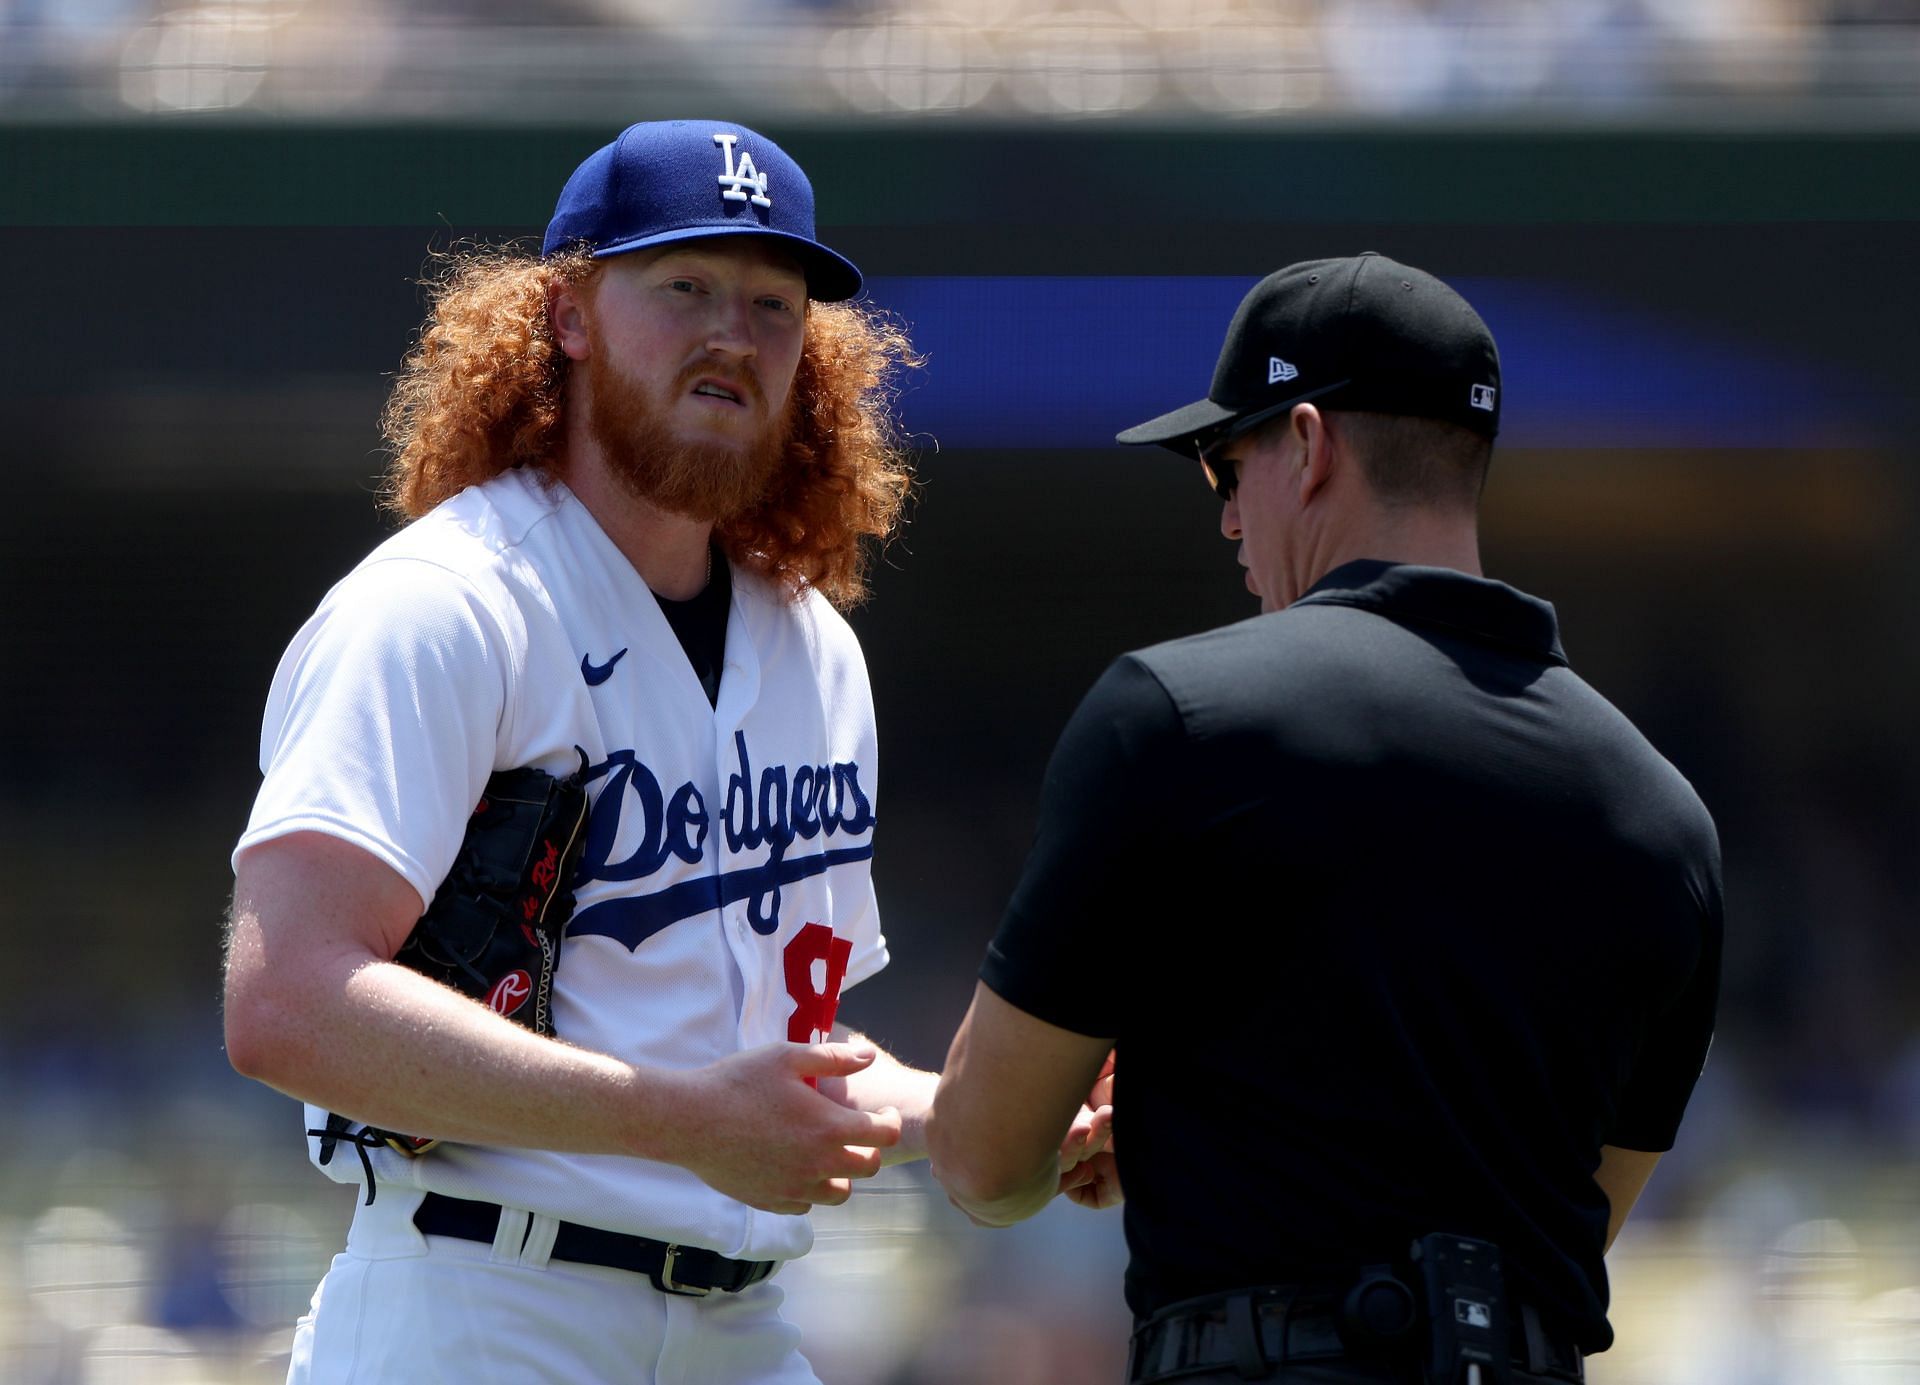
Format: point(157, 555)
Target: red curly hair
point(484, 389)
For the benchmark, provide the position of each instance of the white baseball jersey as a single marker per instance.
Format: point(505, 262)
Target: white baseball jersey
point(724, 898)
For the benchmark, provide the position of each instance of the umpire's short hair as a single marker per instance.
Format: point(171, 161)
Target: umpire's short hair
point(1408, 460)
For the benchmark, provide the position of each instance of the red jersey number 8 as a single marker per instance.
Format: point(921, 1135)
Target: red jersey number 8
point(816, 964)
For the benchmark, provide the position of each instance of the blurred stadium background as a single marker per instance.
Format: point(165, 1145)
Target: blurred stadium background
point(1691, 224)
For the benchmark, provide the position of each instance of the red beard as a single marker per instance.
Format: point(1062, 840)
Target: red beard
point(704, 480)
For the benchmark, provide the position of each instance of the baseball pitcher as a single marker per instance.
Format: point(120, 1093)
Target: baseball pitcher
point(560, 865)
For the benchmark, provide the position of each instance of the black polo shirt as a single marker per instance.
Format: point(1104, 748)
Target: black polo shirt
point(1395, 921)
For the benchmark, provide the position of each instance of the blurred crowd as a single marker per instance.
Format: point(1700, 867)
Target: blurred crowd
point(558, 59)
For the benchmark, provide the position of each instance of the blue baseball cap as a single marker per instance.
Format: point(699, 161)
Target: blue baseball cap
point(671, 180)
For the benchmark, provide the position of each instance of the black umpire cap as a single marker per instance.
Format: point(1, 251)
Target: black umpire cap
point(1365, 333)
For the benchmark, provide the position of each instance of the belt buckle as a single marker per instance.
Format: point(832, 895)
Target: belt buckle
point(667, 1283)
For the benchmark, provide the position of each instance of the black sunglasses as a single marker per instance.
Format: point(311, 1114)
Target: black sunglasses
point(1222, 473)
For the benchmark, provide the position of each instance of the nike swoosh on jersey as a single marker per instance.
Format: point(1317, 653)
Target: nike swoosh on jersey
point(596, 674)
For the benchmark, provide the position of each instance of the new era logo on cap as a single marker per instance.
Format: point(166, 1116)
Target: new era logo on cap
point(1278, 370)
point(1482, 397)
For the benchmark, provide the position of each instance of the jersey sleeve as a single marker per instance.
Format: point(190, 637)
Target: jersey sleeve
point(846, 691)
point(862, 924)
point(384, 718)
point(1062, 952)
point(1675, 1050)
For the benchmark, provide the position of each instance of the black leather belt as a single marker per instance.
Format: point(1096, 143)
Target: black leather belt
point(1255, 1331)
point(1249, 1332)
point(686, 1270)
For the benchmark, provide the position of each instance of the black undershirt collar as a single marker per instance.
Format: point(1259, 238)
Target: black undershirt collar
point(700, 624)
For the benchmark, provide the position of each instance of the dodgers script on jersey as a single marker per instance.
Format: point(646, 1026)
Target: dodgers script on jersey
point(724, 898)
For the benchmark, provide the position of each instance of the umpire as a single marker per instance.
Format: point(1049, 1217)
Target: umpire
point(1406, 942)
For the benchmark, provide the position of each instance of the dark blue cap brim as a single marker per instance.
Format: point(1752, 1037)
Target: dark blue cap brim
point(831, 278)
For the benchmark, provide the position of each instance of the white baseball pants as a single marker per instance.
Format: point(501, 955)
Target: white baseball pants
point(400, 1306)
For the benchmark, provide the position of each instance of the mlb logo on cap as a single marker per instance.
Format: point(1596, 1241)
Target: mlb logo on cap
point(674, 180)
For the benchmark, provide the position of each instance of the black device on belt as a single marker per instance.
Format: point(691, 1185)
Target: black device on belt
point(1446, 1315)
point(685, 1270)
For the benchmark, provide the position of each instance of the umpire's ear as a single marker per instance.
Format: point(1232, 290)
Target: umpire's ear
point(568, 314)
point(1315, 464)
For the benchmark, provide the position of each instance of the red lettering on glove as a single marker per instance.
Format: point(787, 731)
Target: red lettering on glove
point(547, 867)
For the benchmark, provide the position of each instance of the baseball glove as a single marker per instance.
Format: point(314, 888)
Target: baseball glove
point(494, 928)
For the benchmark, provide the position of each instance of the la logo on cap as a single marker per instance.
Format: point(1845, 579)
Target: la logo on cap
point(738, 178)
point(1278, 370)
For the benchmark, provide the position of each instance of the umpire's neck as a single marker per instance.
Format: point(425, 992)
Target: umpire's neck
point(1305, 505)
